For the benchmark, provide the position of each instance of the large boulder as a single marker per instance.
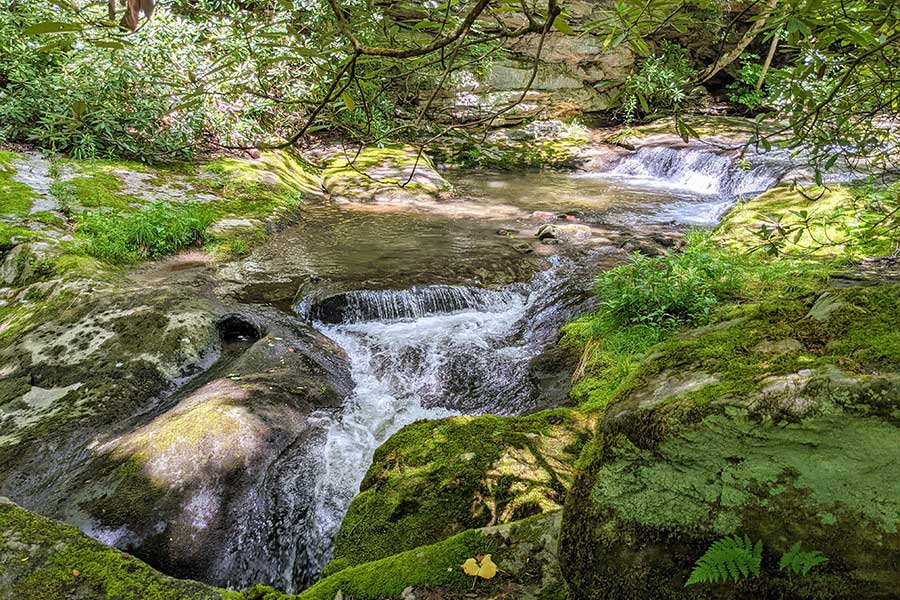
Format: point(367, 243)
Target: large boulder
point(43, 559)
point(569, 79)
point(434, 479)
point(389, 174)
point(157, 420)
point(780, 424)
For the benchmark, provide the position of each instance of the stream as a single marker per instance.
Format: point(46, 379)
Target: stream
point(341, 329)
point(442, 307)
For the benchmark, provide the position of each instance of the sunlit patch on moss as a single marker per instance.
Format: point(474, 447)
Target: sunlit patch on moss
point(433, 479)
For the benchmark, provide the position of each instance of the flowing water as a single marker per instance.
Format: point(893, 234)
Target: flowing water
point(426, 334)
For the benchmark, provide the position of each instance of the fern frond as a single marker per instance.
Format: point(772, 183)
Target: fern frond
point(799, 562)
point(732, 556)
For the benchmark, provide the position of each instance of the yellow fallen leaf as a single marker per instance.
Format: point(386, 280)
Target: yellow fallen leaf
point(470, 567)
point(487, 569)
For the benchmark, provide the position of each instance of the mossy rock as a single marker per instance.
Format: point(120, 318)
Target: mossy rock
point(836, 227)
point(780, 423)
point(536, 145)
point(434, 479)
point(46, 560)
point(730, 131)
point(388, 174)
point(524, 552)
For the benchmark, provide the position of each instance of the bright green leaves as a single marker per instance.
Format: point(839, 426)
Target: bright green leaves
point(737, 558)
point(559, 23)
point(799, 562)
point(732, 557)
point(51, 27)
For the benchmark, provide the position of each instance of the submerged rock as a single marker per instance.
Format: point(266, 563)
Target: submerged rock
point(569, 232)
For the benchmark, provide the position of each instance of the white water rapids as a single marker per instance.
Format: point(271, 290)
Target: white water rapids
point(698, 171)
point(426, 353)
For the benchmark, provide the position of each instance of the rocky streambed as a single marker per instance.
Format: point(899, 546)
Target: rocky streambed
point(215, 418)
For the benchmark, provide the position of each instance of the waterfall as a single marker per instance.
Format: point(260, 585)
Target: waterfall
point(390, 305)
point(700, 171)
point(424, 353)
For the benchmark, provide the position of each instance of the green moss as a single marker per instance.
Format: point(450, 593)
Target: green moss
point(45, 560)
point(434, 479)
point(832, 223)
point(427, 567)
point(372, 170)
point(524, 552)
point(828, 479)
point(648, 491)
point(7, 159)
point(236, 242)
point(100, 191)
point(15, 197)
point(396, 156)
point(706, 127)
point(48, 218)
point(12, 235)
point(71, 265)
point(135, 493)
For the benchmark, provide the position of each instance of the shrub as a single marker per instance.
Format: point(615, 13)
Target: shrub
point(666, 291)
point(96, 94)
point(157, 231)
point(660, 84)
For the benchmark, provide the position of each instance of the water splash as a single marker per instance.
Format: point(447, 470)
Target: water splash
point(699, 171)
point(425, 354)
point(389, 305)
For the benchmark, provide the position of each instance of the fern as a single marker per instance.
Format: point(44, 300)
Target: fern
point(735, 557)
point(799, 562)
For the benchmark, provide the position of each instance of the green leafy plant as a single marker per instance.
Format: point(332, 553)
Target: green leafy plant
point(733, 557)
point(157, 231)
point(743, 90)
point(660, 84)
point(669, 290)
point(799, 562)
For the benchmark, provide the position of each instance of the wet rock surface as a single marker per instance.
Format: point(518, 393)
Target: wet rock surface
point(169, 422)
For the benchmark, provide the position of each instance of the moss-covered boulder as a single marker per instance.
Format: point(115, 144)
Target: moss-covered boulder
point(827, 223)
point(389, 174)
point(778, 422)
point(434, 479)
point(184, 489)
point(539, 144)
point(524, 553)
point(46, 560)
point(106, 433)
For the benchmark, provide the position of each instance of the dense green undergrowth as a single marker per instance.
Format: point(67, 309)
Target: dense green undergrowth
point(121, 212)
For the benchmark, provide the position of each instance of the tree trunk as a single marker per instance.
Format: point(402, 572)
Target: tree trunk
point(729, 57)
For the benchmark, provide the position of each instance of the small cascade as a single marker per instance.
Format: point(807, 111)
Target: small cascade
point(392, 305)
point(425, 353)
point(700, 171)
